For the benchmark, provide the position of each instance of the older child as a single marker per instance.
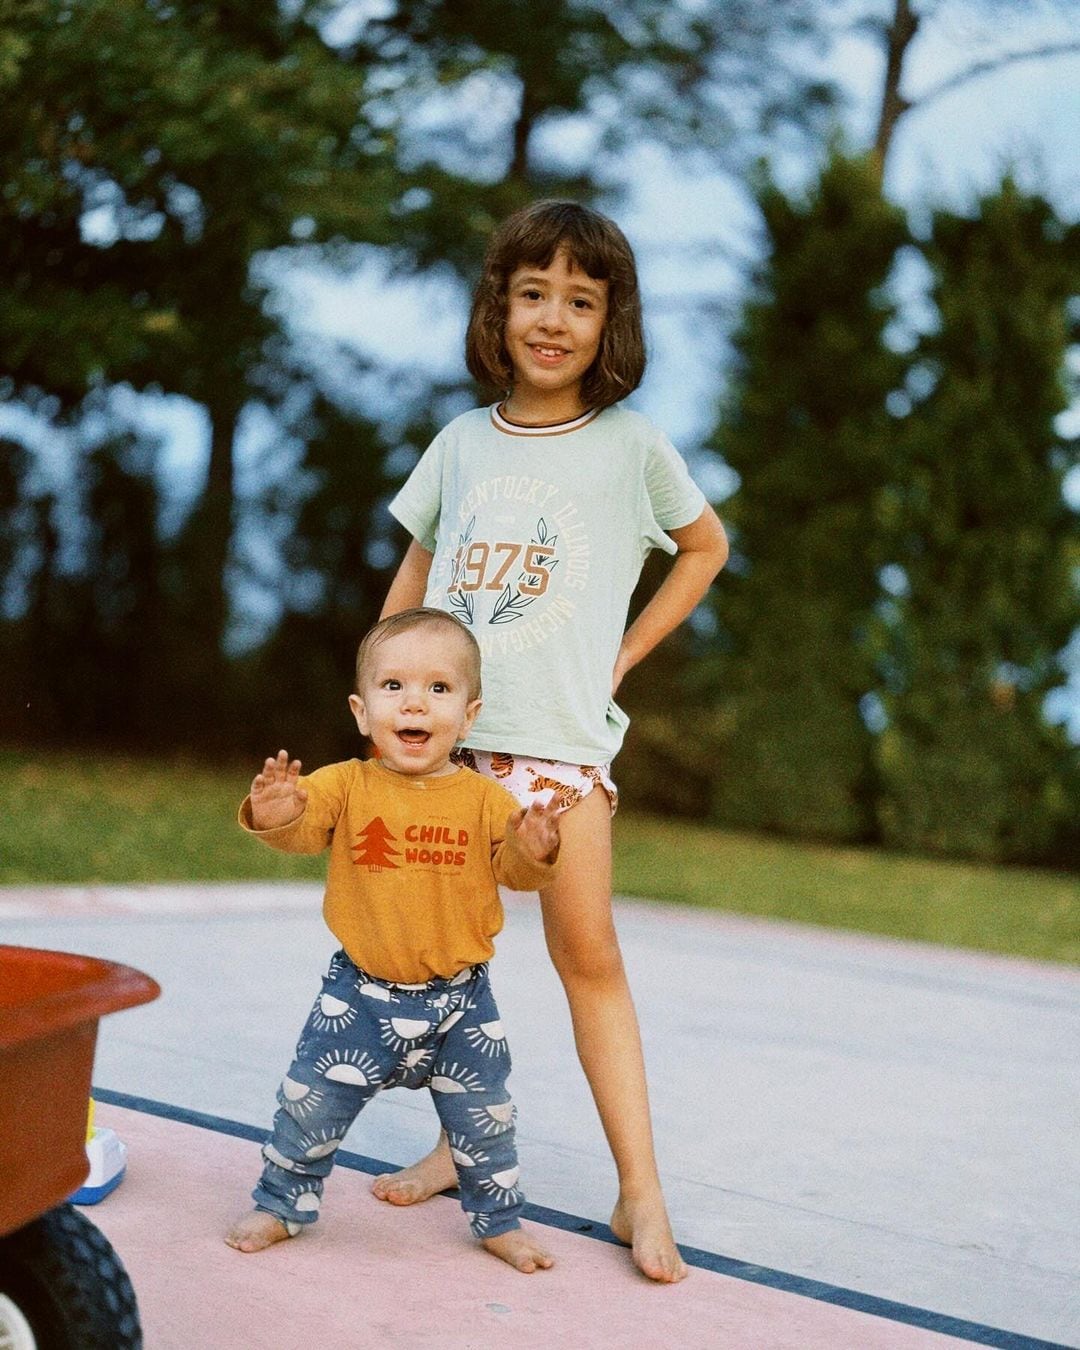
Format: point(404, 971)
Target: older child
point(417, 846)
point(530, 521)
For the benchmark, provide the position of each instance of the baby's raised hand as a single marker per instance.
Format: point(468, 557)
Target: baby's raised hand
point(538, 829)
point(276, 799)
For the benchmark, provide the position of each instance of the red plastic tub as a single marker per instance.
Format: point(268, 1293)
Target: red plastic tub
point(50, 1003)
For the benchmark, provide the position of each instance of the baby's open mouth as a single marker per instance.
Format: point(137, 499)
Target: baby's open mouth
point(413, 736)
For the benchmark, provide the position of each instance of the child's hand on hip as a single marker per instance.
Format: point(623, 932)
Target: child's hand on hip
point(537, 829)
point(276, 798)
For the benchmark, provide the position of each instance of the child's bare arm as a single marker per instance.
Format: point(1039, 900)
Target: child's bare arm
point(703, 550)
point(410, 581)
point(276, 797)
point(537, 829)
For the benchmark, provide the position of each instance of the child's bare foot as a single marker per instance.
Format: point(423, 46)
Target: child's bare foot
point(518, 1249)
point(430, 1176)
point(642, 1223)
point(256, 1230)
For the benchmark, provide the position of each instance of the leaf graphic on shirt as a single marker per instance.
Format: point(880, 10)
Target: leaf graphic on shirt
point(509, 605)
point(461, 605)
point(457, 560)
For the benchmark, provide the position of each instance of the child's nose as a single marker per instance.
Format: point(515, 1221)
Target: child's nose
point(414, 699)
point(551, 316)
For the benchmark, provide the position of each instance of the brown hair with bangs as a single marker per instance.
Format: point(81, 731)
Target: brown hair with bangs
point(595, 245)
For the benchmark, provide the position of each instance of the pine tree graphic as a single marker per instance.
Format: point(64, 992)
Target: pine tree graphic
point(374, 846)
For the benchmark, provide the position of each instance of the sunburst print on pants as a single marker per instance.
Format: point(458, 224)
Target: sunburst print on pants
point(494, 1118)
point(342, 1065)
point(382, 992)
point(465, 1153)
point(503, 1185)
point(399, 1033)
point(299, 1099)
point(456, 1078)
point(488, 1038)
point(332, 1014)
point(445, 1035)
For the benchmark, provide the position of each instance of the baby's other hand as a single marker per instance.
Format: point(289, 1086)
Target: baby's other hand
point(538, 829)
point(276, 799)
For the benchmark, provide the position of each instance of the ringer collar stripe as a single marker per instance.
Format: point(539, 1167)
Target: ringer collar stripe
point(553, 429)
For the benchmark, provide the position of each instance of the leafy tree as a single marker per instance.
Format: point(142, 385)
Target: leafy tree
point(476, 90)
point(134, 204)
point(987, 545)
point(806, 429)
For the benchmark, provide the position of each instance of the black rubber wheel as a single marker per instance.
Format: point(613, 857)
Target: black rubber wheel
point(69, 1285)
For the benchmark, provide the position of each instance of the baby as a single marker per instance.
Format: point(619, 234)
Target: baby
point(418, 847)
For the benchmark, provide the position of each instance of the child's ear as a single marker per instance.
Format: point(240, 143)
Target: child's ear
point(356, 704)
point(471, 710)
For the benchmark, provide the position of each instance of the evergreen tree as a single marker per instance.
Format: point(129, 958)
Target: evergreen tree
point(988, 544)
point(91, 651)
point(806, 429)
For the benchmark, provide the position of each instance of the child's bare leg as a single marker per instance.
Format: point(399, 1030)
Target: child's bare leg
point(256, 1230)
point(581, 938)
point(519, 1250)
point(430, 1175)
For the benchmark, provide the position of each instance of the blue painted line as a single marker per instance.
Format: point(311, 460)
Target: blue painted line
point(976, 1332)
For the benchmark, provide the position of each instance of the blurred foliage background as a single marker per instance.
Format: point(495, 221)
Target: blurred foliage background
point(875, 663)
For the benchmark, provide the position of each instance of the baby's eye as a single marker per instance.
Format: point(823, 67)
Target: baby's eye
point(392, 685)
point(440, 687)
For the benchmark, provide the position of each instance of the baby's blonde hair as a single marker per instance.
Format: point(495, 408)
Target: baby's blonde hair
point(423, 616)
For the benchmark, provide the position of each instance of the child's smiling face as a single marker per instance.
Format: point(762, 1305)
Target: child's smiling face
point(554, 323)
point(416, 702)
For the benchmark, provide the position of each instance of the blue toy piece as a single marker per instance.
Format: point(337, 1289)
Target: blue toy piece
point(108, 1163)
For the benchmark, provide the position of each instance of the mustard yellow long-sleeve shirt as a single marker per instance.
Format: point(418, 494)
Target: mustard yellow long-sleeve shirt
point(415, 863)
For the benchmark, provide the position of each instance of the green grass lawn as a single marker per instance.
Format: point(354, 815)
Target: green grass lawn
point(69, 819)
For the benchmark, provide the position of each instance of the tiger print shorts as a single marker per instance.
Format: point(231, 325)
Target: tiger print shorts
point(529, 779)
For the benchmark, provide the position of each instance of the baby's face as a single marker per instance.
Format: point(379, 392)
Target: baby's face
point(416, 702)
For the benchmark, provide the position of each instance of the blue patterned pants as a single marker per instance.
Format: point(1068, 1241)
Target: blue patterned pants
point(366, 1035)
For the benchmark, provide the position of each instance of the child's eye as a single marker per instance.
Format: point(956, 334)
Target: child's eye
point(440, 687)
point(392, 685)
point(531, 294)
point(583, 304)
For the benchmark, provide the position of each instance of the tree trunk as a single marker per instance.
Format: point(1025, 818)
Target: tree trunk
point(898, 38)
point(209, 537)
point(519, 162)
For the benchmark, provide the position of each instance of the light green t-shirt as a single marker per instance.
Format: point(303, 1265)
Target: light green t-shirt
point(539, 536)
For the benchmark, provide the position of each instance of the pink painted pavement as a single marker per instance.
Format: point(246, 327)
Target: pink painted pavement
point(370, 1275)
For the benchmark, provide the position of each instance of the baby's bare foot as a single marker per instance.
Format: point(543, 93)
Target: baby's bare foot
point(430, 1176)
point(518, 1249)
point(256, 1230)
point(642, 1223)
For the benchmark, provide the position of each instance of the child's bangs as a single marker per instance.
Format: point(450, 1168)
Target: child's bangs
point(586, 250)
